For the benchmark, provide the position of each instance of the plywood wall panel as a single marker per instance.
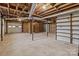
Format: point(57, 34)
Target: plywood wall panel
point(26, 27)
point(37, 27)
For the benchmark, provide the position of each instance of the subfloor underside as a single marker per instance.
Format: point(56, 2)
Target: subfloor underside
point(21, 44)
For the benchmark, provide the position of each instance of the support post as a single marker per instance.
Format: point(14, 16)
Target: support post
point(22, 26)
point(47, 27)
point(6, 27)
point(78, 49)
point(30, 26)
point(32, 30)
point(1, 27)
point(71, 38)
point(56, 30)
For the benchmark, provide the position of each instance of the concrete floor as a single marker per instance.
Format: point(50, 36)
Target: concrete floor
point(20, 44)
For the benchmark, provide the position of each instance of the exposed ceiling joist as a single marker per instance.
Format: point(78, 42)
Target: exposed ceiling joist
point(57, 14)
point(57, 4)
point(16, 8)
point(8, 8)
point(13, 9)
point(65, 7)
point(54, 8)
point(61, 13)
point(35, 18)
point(24, 8)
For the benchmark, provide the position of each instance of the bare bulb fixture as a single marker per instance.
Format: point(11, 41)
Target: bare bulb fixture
point(19, 19)
point(44, 7)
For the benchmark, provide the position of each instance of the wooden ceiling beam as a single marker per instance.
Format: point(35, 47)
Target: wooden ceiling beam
point(16, 8)
point(55, 4)
point(24, 8)
point(54, 9)
point(13, 9)
point(8, 8)
point(62, 9)
point(9, 15)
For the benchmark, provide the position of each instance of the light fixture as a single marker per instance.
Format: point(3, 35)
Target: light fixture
point(9, 26)
point(19, 26)
point(13, 26)
point(44, 7)
point(19, 19)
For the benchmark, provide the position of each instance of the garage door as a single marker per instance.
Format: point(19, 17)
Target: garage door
point(14, 27)
point(67, 27)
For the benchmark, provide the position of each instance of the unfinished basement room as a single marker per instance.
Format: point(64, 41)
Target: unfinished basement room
point(39, 29)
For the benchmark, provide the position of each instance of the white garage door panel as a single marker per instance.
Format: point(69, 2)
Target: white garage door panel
point(66, 31)
point(75, 18)
point(63, 23)
point(75, 27)
point(75, 36)
point(63, 27)
point(63, 16)
point(76, 32)
point(75, 23)
point(62, 34)
point(14, 29)
point(63, 38)
point(62, 20)
point(76, 41)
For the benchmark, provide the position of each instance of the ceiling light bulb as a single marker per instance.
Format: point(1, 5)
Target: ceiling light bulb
point(19, 19)
point(44, 7)
point(19, 26)
point(9, 26)
point(13, 26)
